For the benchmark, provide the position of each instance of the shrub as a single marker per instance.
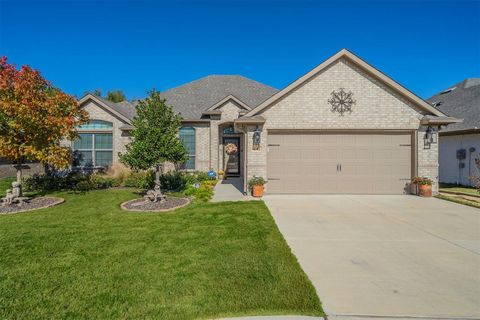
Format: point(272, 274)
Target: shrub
point(84, 185)
point(103, 181)
point(119, 172)
point(203, 193)
point(140, 179)
point(62, 180)
point(210, 183)
point(173, 181)
point(196, 177)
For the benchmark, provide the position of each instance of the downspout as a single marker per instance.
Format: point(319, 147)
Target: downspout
point(471, 150)
point(241, 128)
point(245, 155)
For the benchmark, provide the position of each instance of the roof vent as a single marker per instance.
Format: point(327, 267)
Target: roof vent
point(437, 104)
point(448, 90)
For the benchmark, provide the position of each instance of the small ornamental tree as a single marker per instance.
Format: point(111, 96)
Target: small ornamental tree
point(155, 136)
point(34, 118)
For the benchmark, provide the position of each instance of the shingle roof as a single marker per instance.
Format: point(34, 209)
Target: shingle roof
point(125, 108)
point(461, 100)
point(191, 99)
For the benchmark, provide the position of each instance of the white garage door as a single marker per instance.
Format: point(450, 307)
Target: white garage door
point(361, 163)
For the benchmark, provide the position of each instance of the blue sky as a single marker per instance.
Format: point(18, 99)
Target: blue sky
point(138, 45)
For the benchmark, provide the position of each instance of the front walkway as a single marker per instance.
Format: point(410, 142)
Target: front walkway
point(385, 256)
point(230, 190)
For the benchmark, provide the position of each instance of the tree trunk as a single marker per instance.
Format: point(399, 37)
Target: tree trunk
point(19, 175)
point(157, 174)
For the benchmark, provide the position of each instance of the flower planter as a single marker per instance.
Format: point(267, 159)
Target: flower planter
point(425, 190)
point(257, 191)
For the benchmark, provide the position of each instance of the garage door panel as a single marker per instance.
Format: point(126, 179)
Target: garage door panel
point(307, 163)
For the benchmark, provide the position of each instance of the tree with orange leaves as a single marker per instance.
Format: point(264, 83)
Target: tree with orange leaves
point(34, 118)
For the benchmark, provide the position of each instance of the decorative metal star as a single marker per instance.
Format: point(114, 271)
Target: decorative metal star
point(341, 101)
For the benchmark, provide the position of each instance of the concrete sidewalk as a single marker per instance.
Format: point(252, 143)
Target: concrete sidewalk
point(275, 318)
point(230, 189)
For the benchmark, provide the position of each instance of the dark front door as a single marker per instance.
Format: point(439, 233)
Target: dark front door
point(232, 160)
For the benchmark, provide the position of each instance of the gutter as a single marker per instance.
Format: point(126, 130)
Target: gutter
point(439, 120)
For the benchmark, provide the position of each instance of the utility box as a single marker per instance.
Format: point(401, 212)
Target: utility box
point(461, 154)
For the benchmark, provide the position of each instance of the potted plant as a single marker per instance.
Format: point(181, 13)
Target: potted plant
point(424, 186)
point(256, 186)
point(220, 173)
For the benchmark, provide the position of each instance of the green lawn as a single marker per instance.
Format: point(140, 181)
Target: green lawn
point(87, 258)
point(457, 188)
point(5, 183)
point(460, 200)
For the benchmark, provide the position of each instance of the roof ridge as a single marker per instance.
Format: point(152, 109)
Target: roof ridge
point(218, 75)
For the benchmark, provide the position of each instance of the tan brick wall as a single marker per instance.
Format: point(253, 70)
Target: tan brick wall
point(427, 159)
point(230, 112)
point(256, 159)
point(120, 138)
point(202, 144)
point(377, 108)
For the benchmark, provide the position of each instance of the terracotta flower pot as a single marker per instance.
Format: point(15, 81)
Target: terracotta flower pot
point(257, 191)
point(425, 190)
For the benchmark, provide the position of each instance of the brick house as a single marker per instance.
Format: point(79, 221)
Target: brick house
point(343, 127)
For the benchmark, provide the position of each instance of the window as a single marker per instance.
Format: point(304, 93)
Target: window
point(94, 149)
point(228, 130)
point(187, 136)
point(97, 125)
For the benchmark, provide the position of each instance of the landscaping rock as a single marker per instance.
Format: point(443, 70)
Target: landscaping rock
point(142, 204)
point(32, 204)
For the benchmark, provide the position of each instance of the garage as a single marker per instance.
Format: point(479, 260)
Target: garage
point(339, 162)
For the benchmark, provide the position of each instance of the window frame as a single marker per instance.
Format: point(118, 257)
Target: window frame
point(93, 150)
point(189, 155)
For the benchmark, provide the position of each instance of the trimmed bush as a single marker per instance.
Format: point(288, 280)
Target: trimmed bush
point(203, 193)
point(140, 179)
point(57, 182)
point(173, 181)
point(103, 181)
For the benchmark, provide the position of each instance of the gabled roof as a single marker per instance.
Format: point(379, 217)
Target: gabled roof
point(461, 100)
point(230, 97)
point(192, 99)
point(344, 53)
point(123, 110)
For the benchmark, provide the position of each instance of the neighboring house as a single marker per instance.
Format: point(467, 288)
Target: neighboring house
point(302, 139)
point(460, 142)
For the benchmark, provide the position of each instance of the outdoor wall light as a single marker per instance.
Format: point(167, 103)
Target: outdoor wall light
point(430, 137)
point(256, 138)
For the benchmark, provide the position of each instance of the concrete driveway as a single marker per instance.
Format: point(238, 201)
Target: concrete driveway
point(400, 256)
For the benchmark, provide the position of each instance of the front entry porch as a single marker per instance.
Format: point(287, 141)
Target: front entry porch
point(231, 189)
point(231, 160)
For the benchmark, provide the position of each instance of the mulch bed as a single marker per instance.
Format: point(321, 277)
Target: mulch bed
point(32, 204)
point(141, 204)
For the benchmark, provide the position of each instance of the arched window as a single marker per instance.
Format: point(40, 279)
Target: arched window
point(97, 125)
point(187, 136)
point(94, 146)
